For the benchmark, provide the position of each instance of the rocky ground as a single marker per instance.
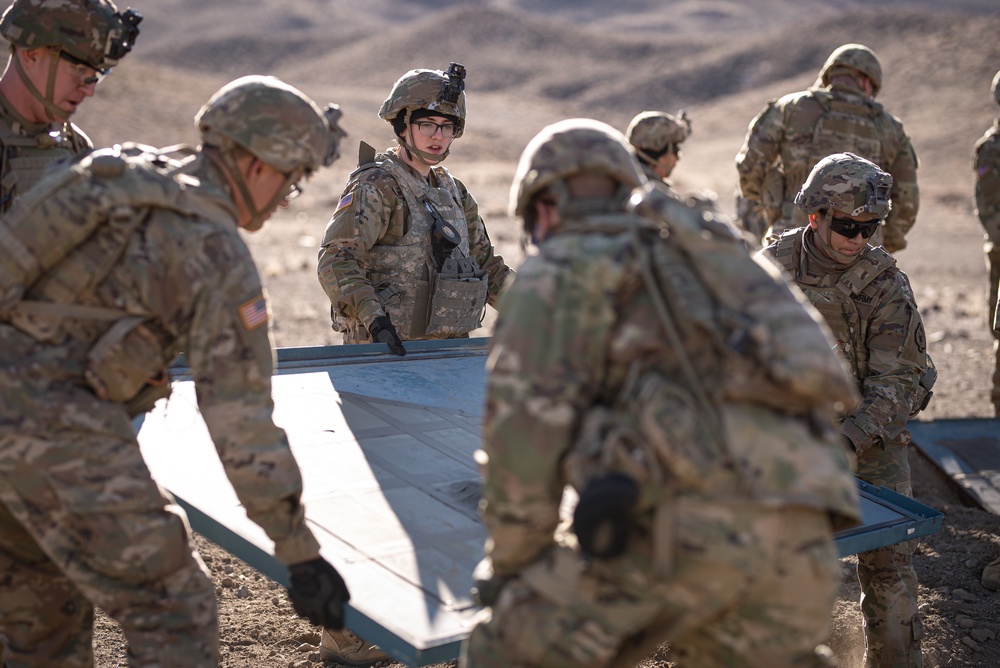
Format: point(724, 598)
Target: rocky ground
point(532, 63)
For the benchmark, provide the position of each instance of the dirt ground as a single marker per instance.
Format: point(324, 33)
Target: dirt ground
point(532, 63)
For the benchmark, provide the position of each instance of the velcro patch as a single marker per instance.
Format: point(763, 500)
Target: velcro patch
point(254, 313)
point(344, 202)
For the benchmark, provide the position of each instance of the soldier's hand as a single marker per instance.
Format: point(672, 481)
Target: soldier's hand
point(383, 331)
point(486, 585)
point(852, 453)
point(318, 593)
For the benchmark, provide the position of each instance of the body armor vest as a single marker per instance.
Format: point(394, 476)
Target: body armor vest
point(842, 126)
point(25, 159)
point(65, 237)
point(424, 300)
point(847, 304)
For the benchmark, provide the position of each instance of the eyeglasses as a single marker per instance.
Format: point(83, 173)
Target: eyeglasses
point(84, 73)
point(429, 129)
point(851, 228)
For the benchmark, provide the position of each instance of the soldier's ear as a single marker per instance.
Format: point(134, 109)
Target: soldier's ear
point(814, 220)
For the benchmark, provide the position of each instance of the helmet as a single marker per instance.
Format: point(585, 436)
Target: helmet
point(653, 130)
point(275, 122)
point(995, 87)
point(570, 147)
point(92, 32)
point(846, 183)
point(434, 90)
point(856, 58)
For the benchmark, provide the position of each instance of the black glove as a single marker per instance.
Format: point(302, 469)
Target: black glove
point(486, 585)
point(318, 593)
point(383, 331)
point(602, 520)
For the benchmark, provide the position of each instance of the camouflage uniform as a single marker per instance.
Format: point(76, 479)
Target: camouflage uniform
point(82, 523)
point(869, 306)
point(986, 162)
point(378, 256)
point(796, 131)
point(91, 33)
point(610, 362)
point(651, 134)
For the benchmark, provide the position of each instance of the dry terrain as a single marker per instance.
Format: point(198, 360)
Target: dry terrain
point(531, 63)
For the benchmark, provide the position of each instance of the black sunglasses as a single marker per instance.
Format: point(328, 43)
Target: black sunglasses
point(850, 228)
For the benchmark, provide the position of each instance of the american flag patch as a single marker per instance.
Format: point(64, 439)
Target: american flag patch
point(254, 313)
point(344, 202)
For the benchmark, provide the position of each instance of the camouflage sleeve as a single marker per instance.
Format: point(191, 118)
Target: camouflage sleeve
point(370, 211)
point(230, 354)
point(753, 163)
point(545, 367)
point(986, 163)
point(481, 248)
point(760, 150)
point(905, 194)
point(897, 349)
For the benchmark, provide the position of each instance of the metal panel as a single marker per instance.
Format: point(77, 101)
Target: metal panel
point(385, 446)
point(967, 450)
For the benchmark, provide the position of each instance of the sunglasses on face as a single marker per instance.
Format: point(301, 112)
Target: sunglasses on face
point(851, 228)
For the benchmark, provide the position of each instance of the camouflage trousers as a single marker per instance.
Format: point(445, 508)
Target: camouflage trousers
point(82, 523)
point(888, 581)
point(748, 586)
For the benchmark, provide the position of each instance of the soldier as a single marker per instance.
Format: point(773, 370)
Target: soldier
point(867, 302)
point(674, 383)
point(986, 162)
point(657, 138)
point(406, 255)
point(59, 51)
point(838, 114)
point(123, 259)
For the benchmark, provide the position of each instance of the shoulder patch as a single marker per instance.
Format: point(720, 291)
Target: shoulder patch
point(344, 202)
point(253, 313)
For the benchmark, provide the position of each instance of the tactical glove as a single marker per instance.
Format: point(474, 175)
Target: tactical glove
point(486, 585)
point(318, 593)
point(383, 331)
point(602, 520)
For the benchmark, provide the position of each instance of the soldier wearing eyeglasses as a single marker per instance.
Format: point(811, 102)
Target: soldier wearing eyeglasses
point(406, 255)
point(59, 51)
point(869, 305)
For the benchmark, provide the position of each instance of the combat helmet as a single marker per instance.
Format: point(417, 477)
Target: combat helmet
point(995, 87)
point(854, 58)
point(846, 183)
point(569, 147)
point(89, 32)
point(652, 131)
point(273, 121)
point(433, 90)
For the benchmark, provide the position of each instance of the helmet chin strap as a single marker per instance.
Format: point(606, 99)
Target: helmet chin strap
point(259, 216)
point(429, 159)
point(826, 245)
point(52, 112)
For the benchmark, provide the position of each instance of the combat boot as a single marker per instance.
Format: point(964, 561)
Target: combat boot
point(991, 575)
point(349, 648)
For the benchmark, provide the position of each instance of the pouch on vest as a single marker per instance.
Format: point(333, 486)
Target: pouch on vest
point(123, 360)
point(458, 297)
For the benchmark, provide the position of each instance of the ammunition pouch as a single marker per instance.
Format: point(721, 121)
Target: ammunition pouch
point(458, 297)
point(125, 362)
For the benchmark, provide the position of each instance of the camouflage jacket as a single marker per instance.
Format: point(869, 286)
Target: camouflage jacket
point(986, 163)
point(580, 352)
point(873, 315)
point(373, 214)
point(196, 284)
point(793, 133)
point(26, 152)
